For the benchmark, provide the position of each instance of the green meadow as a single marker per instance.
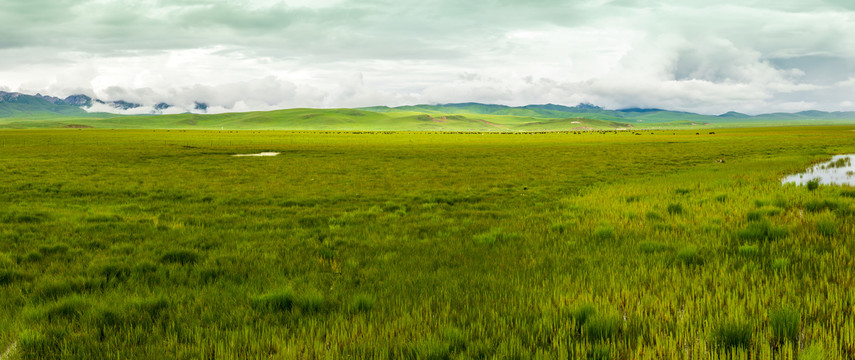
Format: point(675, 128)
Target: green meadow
point(443, 118)
point(330, 120)
point(158, 244)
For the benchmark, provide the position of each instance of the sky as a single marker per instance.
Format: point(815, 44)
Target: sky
point(751, 56)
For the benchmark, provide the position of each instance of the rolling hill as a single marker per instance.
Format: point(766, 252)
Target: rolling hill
point(38, 111)
point(36, 107)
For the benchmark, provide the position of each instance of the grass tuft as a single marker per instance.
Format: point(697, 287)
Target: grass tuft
point(675, 209)
point(780, 264)
point(689, 255)
point(70, 308)
point(649, 247)
point(109, 318)
point(602, 327)
point(827, 227)
point(754, 215)
point(761, 231)
point(33, 257)
point(812, 184)
point(820, 205)
point(653, 216)
point(732, 334)
point(112, 271)
point(311, 302)
point(432, 349)
point(182, 257)
point(279, 301)
point(32, 342)
point(496, 236)
point(599, 352)
point(455, 338)
point(785, 324)
point(362, 303)
point(6, 262)
point(604, 232)
point(749, 250)
point(151, 308)
point(8, 277)
point(561, 227)
point(53, 249)
point(287, 299)
point(57, 289)
point(144, 267)
point(582, 313)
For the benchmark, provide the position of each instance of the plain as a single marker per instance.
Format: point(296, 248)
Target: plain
point(154, 244)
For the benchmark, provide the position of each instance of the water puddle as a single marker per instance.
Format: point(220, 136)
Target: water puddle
point(260, 154)
point(10, 351)
point(838, 171)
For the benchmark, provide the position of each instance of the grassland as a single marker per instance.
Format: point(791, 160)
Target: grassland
point(156, 244)
point(476, 117)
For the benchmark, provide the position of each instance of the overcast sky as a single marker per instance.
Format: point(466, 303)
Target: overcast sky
point(705, 56)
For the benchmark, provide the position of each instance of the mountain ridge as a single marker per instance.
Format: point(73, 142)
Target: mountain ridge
point(625, 114)
point(453, 116)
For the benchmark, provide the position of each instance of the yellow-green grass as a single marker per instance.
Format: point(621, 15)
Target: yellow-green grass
point(292, 119)
point(159, 244)
point(416, 119)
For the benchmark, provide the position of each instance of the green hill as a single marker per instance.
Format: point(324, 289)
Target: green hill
point(291, 119)
point(27, 106)
point(573, 124)
point(37, 111)
point(37, 107)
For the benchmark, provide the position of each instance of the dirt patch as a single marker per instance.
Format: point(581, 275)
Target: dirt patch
point(77, 126)
point(443, 120)
point(489, 123)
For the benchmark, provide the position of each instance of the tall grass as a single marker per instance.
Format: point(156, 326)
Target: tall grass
point(785, 324)
point(155, 244)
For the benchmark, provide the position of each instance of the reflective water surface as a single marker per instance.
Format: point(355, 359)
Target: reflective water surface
point(838, 171)
point(259, 154)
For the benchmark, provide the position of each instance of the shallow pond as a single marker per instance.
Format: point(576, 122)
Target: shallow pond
point(838, 171)
point(259, 154)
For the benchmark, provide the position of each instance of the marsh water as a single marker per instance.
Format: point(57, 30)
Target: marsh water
point(838, 171)
point(259, 154)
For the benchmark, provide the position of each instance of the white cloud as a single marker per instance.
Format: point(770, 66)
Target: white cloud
point(686, 55)
point(846, 83)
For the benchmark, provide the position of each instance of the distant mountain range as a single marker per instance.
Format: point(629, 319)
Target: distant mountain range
point(631, 115)
point(13, 104)
point(19, 110)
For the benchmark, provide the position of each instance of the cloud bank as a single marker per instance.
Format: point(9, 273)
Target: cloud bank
point(709, 57)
